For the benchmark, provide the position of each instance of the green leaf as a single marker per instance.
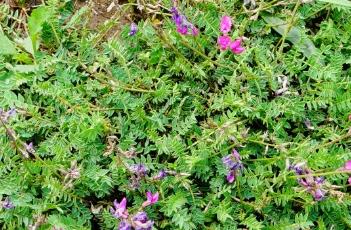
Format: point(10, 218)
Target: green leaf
point(295, 35)
point(35, 23)
point(6, 46)
point(37, 18)
point(338, 2)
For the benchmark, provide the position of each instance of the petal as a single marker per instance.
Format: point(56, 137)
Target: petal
point(123, 203)
point(235, 44)
point(148, 195)
point(231, 177)
point(238, 50)
point(226, 24)
point(155, 198)
point(348, 165)
point(349, 180)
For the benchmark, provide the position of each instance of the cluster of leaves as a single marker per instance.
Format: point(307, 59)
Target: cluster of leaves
point(180, 104)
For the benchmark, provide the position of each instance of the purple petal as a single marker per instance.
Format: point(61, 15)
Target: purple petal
point(123, 203)
point(194, 31)
point(182, 30)
point(231, 176)
point(124, 225)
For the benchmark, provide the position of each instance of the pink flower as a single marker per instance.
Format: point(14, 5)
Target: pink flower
point(347, 165)
point(120, 209)
point(151, 199)
point(224, 42)
point(236, 47)
point(349, 180)
point(182, 30)
point(226, 24)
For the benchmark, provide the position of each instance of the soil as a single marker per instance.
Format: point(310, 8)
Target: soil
point(100, 13)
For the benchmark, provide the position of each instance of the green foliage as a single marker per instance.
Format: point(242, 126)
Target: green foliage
point(95, 103)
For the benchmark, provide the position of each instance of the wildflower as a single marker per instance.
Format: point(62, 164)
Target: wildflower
point(224, 42)
point(314, 185)
point(233, 163)
point(151, 199)
point(133, 29)
point(4, 116)
point(141, 222)
point(349, 180)
point(124, 225)
point(29, 147)
point(347, 165)
point(7, 204)
point(236, 47)
point(226, 24)
point(138, 169)
point(184, 27)
point(161, 174)
point(119, 210)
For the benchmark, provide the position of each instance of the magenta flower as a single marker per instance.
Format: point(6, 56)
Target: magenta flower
point(226, 24)
point(194, 31)
point(224, 42)
point(182, 29)
point(151, 199)
point(236, 47)
point(120, 210)
point(347, 165)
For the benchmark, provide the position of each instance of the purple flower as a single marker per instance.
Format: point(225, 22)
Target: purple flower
point(7, 204)
point(236, 47)
point(231, 176)
point(314, 185)
point(161, 174)
point(6, 115)
point(226, 24)
point(224, 42)
point(151, 199)
point(119, 210)
point(142, 222)
point(133, 29)
point(318, 194)
point(124, 225)
point(233, 163)
point(184, 27)
point(138, 169)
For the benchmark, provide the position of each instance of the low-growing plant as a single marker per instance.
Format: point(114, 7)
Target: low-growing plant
point(198, 115)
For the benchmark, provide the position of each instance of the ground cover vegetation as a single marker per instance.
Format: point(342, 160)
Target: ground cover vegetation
point(194, 115)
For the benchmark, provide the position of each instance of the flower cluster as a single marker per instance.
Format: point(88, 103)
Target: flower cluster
point(314, 185)
point(233, 163)
point(184, 27)
point(138, 221)
point(224, 41)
